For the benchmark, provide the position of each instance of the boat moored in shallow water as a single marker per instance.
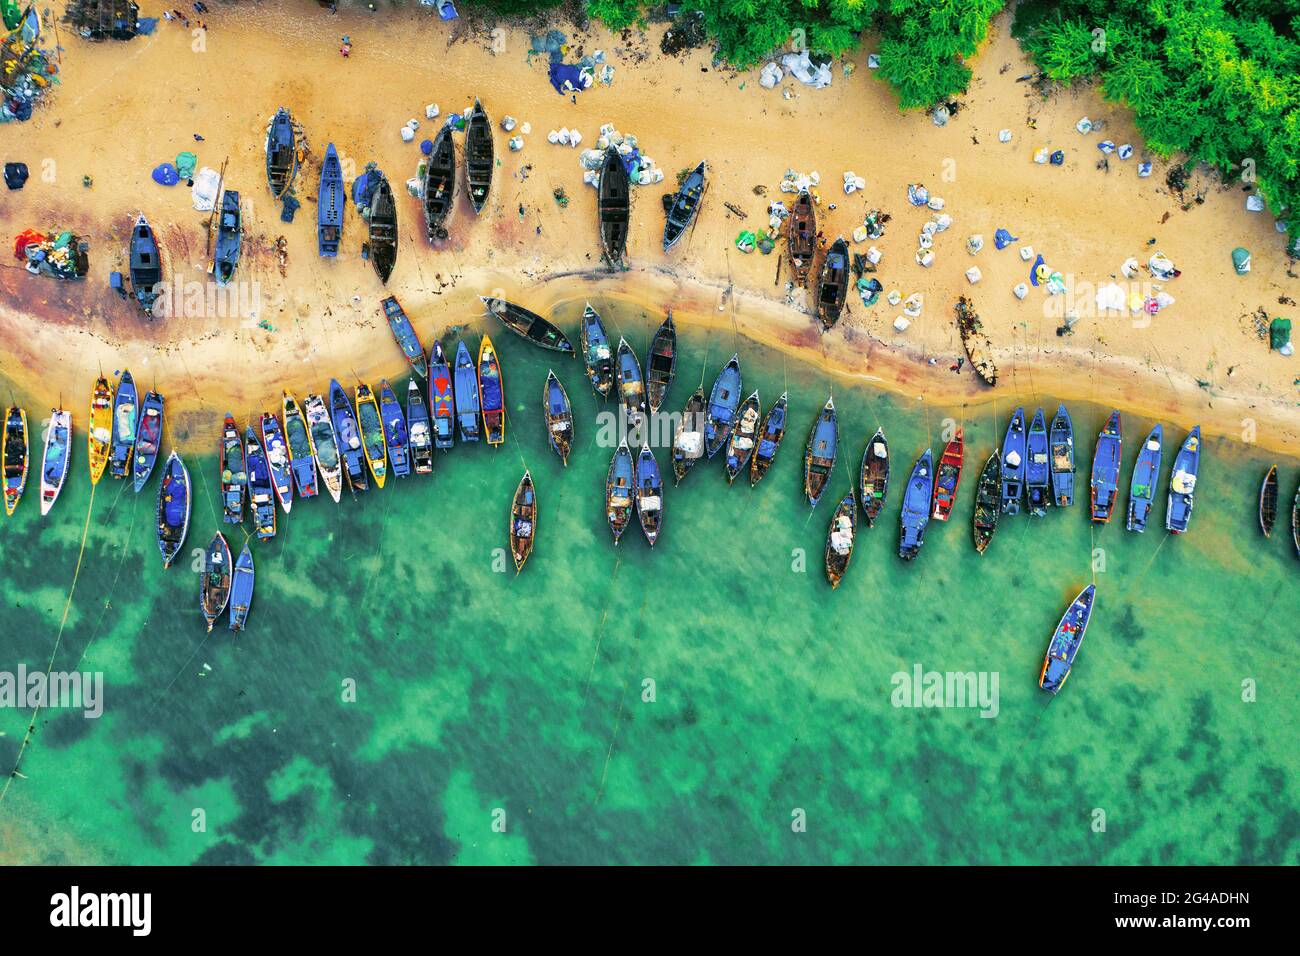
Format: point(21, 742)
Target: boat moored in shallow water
point(596, 352)
point(557, 413)
point(916, 507)
point(839, 539)
point(523, 521)
point(1146, 475)
point(234, 472)
point(261, 491)
point(277, 459)
point(419, 429)
point(214, 589)
point(741, 443)
point(148, 438)
point(1062, 436)
point(465, 382)
point(631, 388)
point(723, 402)
point(1182, 483)
point(688, 442)
point(1106, 463)
point(302, 453)
point(528, 325)
point(820, 453)
point(331, 200)
point(395, 436)
point(988, 501)
point(241, 589)
point(125, 423)
point(1295, 522)
point(620, 486)
point(1066, 641)
point(442, 406)
point(873, 476)
point(947, 478)
point(404, 332)
point(14, 456)
point(372, 433)
point(1038, 467)
point(769, 440)
point(58, 453)
point(1268, 494)
point(351, 450)
point(325, 447)
point(491, 393)
point(661, 364)
point(100, 434)
point(1013, 464)
point(173, 508)
point(649, 494)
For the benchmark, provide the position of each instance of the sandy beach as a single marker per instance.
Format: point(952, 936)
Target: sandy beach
point(123, 108)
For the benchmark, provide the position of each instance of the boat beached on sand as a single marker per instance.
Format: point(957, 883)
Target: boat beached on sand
point(479, 157)
point(833, 286)
point(1106, 463)
point(769, 440)
point(281, 153)
point(820, 453)
point(1013, 464)
point(1066, 641)
point(1182, 483)
point(613, 206)
point(302, 452)
point(916, 507)
point(404, 332)
point(801, 237)
point(173, 508)
point(1146, 475)
point(439, 186)
point(988, 501)
point(58, 453)
point(381, 243)
point(145, 264)
point(331, 200)
point(225, 258)
point(686, 203)
point(840, 537)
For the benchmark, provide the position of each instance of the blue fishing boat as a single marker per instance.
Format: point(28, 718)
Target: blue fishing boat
point(173, 508)
point(491, 393)
point(125, 423)
point(1182, 483)
point(145, 265)
point(58, 454)
point(241, 589)
point(281, 154)
point(873, 477)
point(769, 440)
point(331, 200)
point(404, 332)
point(557, 413)
point(442, 406)
point(1038, 466)
point(148, 437)
point(1066, 641)
point(820, 453)
point(620, 487)
point(229, 236)
point(649, 494)
point(302, 453)
point(684, 207)
point(324, 445)
point(352, 450)
point(1106, 464)
point(278, 459)
point(596, 352)
point(261, 492)
point(1146, 476)
point(234, 472)
point(724, 399)
point(631, 389)
point(419, 431)
point(916, 507)
point(214, 586)
point(466, 393)
point(1013, 464)
point(1062, 436)
point(396, 436)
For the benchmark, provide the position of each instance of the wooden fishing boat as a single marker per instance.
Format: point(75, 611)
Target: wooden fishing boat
point(1295, 522)
point(15, 457)
point(724, 399)
point(145, 264)
point(596, 353)
point(281, 154)
point(649, 494)
point(331, 202)
point(801, 237)
point(528, 325)
point(148, 438)
point(214, 591)
point(769, 441)
point(916, 507)
point(395, 435)
point(523, 520)
point(1038, 466)
point(381, 246)
point(442, 406)
point(613, 206)
point(261, 491)
point(479, 157)
point(988, 501)
point(740, 446)
point(372, 433)
point(100, 435)
point(1066, 641)
point(419, 430)
point(947, 478)
point(1062, 437)
point(558, 415)
point(631, 388)
point(979, 350)
point(439, 184)
point(820, 453)
point(1105, 470)
point(173, 508)
point(1146, 476)
point(229, 236)
point(125, 424)
point(302, 450)
point(465, 382)
point(1268, 493)
point(839, 539)
point(58, 453)
point(277, 459)
point(352, 450)
point(686, 204)
point(833, 286)
point(1182, 483)
point(620, 485)
point(325, 447)
point(688, 442)
point(661, 364)
point(873, 476)
point(241, 589)
point(1013, 464)
point(234, 472)
point(404, 332)
point(491, 393)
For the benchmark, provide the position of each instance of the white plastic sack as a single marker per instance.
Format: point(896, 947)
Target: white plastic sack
point(1111, 298)
point(204, 191)
point(799, 64)
point(770, 76)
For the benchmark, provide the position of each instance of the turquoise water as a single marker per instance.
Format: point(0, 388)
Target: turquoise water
point(710, 701)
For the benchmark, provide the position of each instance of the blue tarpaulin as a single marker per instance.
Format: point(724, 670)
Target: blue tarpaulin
point(166, 175)
point(569, 78)
point(1002, 239)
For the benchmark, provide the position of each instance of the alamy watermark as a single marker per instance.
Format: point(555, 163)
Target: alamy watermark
point(73, 690)
point(922, 688)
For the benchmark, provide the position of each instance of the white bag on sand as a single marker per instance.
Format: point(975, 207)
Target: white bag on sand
point(204, 191)
point(431, 111)
point(805, 72)
point(770, 76)
point(1129, 270)
point(924, 258)
point(912, 307)
point(860, 234)
point(1026, 253)
point(901, 324)
point(1004, 136)
point(1111, 298)
point(973, 275)
point(894, 297)
point(1021, 290)
point(408, 134)
point(874, 256)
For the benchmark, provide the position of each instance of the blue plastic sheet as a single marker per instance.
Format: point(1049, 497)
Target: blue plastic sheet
point(1002, 238)
point(166, 175)
point(566, 78)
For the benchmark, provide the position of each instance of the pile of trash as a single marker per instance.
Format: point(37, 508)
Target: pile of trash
point(801, 67)
point(570, 78)
point(26, 71)
point(940, 221)
point(63, 255)
point(641, 170)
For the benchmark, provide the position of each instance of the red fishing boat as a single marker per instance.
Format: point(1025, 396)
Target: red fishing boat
point(947, 479)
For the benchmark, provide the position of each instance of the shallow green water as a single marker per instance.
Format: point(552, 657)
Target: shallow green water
point(481, 693)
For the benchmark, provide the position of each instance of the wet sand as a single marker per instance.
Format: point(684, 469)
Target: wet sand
point(124, 108)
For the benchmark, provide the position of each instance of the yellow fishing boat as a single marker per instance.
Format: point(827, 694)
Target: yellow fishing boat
point(372, 433)
point(491, 393)
point(101, 428)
